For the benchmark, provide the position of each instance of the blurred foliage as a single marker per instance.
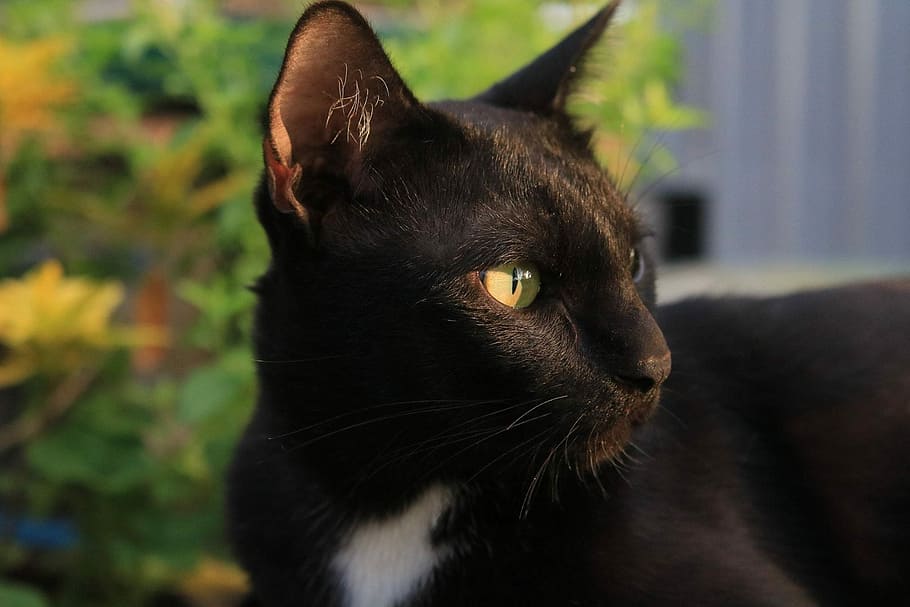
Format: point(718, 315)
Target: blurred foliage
point(52, 325)
point(32, 92)
point(128, 151)
point(627, 94)
point(632, 101)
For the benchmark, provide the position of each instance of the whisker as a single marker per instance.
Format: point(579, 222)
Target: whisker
point(491, 414)
point(535, 408)
point(475, 444)
point(617, 465)
point(595, 474)
point(512, 450)
point(669, 172)
point(590, 453)
point(456, 404)
point(433, 443)
point(523, 511)
point(526, 503)
point(640, 450)
point(669, 412)
point(293, 361)
point(533, 449)
point(638, 141)
point(469, 422)
point(657, 144)
point(367, 422)
point(554, 485)
point(401, 455)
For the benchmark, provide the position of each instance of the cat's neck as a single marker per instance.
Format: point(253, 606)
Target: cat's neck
point(442, 532)
point(408, 534)
point(385, 560)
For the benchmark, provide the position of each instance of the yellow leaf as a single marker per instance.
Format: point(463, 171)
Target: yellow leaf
point(30, 94)
point(213, 580)
point(31, 90)
point(53, 324)
point(15, 370)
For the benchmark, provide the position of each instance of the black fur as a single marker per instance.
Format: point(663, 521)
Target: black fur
point(771, 473)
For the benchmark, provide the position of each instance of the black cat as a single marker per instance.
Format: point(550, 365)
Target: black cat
point(456, 353)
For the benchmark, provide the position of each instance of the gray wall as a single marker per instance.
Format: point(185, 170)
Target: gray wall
point(808, 152)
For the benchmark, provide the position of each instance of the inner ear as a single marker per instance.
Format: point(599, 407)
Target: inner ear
point(337, 96)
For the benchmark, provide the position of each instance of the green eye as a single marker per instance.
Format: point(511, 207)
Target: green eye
point(512, 284)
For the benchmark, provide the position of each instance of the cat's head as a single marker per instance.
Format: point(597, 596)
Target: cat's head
point(456, 286)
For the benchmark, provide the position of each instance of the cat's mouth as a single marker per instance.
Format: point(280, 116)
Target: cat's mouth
point(607, 439)
point(605, 446)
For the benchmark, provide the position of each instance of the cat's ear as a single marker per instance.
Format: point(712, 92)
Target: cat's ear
point(543, 85)
point(336, 97)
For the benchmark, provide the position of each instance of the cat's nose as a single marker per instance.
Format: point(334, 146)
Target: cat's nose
point(647, 374)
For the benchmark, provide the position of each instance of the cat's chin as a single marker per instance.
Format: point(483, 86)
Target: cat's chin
point(603, 446)
point(607, 441)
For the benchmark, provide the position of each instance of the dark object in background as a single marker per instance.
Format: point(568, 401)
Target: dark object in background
point(684, 215)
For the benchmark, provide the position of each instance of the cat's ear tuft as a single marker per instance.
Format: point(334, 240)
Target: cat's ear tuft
point(336, 97)
point(543, 85)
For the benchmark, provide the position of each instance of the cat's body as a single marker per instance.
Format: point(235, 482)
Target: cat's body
point(775, 473)
point(423, 437)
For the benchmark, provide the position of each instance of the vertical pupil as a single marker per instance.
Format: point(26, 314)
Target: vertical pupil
point(516, 276)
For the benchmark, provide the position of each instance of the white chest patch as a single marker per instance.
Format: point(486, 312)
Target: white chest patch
point(385, 561)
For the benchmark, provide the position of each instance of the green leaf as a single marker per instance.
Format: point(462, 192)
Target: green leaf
point(207, 392)
point(17, 595)
point(85, 452)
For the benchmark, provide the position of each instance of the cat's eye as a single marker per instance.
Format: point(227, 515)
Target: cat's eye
point(636, 264)
point(512, 284)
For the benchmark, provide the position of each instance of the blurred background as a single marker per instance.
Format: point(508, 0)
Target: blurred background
point(802, 176)
point(767, 140)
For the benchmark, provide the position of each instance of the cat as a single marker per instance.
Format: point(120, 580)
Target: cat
point(465, 387)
